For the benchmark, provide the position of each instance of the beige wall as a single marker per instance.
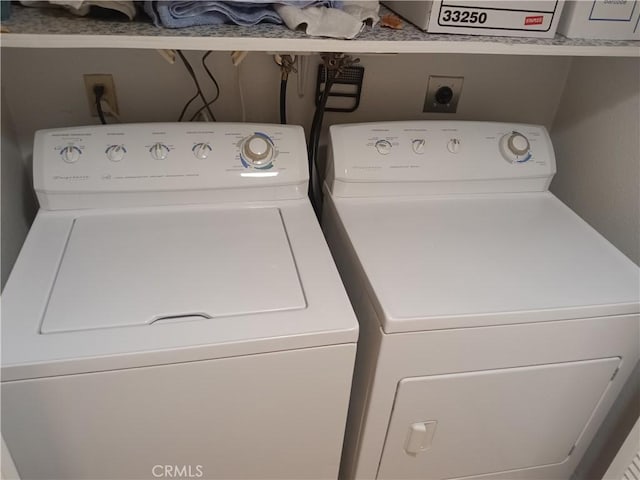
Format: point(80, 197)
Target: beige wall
point(17, 201)
point(596, 136)
point(45, 89)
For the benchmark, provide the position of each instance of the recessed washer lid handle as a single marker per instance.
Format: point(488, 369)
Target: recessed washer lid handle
point(180, 317)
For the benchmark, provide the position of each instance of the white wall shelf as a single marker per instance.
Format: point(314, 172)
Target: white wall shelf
point(48, 28)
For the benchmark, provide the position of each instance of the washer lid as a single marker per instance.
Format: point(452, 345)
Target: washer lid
point(139, 268)
point(449, 262)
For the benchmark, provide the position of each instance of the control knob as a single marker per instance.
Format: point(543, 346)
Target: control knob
point(515, 147)
point(257, 150)
point(383, 147)
point(418, 145)
point(159, 151)
point(201, 150)
point(115, 153)
point(70, 153)
point(453, 145)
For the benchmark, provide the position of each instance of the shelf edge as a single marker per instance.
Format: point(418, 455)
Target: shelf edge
point(25, 40)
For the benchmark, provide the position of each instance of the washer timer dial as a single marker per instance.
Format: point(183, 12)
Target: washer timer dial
point(257, 150)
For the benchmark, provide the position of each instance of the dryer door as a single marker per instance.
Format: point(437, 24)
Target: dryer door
point(473, 423)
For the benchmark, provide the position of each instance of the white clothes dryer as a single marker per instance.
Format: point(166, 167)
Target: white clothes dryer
point(497, 327)
point(174, 311)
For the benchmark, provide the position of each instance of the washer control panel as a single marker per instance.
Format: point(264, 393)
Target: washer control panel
point(449, 152)
point(168, 157)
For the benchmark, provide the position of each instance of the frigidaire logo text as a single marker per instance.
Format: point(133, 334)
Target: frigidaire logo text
point(177, 471)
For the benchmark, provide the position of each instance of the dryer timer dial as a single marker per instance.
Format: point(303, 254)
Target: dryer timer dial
point(515, 147)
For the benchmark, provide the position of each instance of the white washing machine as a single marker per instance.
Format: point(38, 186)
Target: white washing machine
point(174, 312)
point(497, 327)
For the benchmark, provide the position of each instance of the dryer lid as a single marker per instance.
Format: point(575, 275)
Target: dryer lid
point(132, 268)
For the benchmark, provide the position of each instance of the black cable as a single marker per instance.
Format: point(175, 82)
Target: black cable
point(315, 189)
point(213, 79)
point(186, 106)
point(197, 84)
point(316, 126)
point(286, 63)
point(204, 65)
point(195, 115)
point(98, 91)
point(283, 100)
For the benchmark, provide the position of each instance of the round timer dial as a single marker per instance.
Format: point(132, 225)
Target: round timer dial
point(257, 150)
point(515, 147)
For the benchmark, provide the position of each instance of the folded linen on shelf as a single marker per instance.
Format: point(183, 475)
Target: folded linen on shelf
point(179, 14)
point(320, 21)
point(83, 7)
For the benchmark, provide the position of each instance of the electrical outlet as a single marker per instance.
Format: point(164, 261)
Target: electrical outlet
point(106, 80)
point(443, 94)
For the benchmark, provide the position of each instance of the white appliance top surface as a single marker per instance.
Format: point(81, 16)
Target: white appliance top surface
point(117, 288)
point(138, 268)
point(455, 261)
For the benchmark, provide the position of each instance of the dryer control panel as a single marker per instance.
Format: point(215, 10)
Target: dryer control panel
point(440, 157)
point(169, 160)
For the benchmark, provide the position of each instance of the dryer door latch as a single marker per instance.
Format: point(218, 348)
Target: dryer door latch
point(420, 437)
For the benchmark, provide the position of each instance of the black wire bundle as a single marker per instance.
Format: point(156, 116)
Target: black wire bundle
point(283, 100)
point(315, 189)
point(213, 79)
point(98, 92)
point(199, 93)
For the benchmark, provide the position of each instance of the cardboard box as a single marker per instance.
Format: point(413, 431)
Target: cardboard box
point(516, 18)
point(602, 19)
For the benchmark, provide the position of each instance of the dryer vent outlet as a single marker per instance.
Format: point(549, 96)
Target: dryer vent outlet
point(443, 94)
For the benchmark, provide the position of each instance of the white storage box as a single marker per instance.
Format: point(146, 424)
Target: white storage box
point(519, 18)
point(602, 19)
